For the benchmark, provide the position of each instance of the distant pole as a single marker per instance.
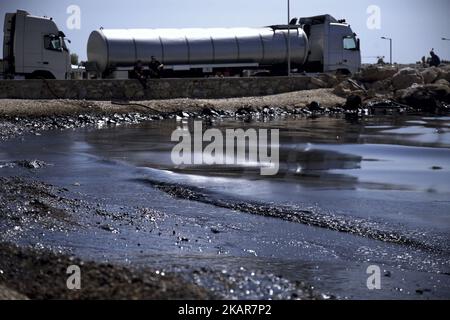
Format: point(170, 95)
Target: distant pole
point(390, 47)
point(289, 37)
point(390, 50)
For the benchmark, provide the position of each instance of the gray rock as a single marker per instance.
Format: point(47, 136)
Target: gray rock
point(33, 164)
point(345, 88)
point(444, 73)
point(405, 78)
point(9, 294)
point(427, 97)
point(316, 83)
point(430, 75)
point(442, 82)
point(382, 86)
point(376, 73)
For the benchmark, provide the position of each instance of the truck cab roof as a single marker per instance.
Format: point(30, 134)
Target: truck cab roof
point(322, 19)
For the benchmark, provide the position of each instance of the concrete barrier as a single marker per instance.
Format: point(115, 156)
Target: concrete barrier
point(203, 88)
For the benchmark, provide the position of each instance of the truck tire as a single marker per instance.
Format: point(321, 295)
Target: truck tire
point(343, 72)
point(40, 75)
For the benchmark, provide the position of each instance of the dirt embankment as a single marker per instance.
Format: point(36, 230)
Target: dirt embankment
point(39, 108)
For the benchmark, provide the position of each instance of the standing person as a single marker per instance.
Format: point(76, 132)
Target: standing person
point(424, 62)
point(138, 73)
point(435, 60)
point(155, 68)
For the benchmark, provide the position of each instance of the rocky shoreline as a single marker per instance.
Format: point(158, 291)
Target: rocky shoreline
point(422, 89)
point(18, 117)
point(375, 88)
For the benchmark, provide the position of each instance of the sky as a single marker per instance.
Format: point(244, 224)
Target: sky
point(415, 26)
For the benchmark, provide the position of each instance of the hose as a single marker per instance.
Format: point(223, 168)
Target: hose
point(126, 103)
point(120, 103)
point(48, 87)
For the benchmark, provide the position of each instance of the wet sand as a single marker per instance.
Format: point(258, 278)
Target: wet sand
point(35, 273)
point(41, 274)
point(30, 209)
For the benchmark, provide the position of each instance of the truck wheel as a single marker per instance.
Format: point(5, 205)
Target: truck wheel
point(343, 72)
point(40, 75)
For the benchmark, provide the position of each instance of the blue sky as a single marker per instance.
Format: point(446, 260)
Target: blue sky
point(416, 26)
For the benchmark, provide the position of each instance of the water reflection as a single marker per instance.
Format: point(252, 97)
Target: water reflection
point(330, 152)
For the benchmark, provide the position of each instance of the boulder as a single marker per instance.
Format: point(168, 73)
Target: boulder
point(427, 97)
point(376, 73)
point(430, 75)
point(353, 102)
point(342, 89)
point(316, 83)
point(9, 294)
point(405, 78)
point(314, 106)
point(331, 79)
point(444, 73)
point(382, 86)
point(442, 82)
point(346, 88)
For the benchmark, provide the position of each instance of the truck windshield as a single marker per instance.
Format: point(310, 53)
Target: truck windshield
point(350, 43)
point(52, 42)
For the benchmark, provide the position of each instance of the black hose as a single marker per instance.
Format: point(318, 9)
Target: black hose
point(120, 103)
point(125, 103)
point(48, 87)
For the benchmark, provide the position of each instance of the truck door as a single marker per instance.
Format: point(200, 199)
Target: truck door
point(54, 55)
point(343, 49)
point(351, 53)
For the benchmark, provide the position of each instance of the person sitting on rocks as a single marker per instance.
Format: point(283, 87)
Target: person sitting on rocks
point(435, 60)
point(138, 73)
point(155, 68)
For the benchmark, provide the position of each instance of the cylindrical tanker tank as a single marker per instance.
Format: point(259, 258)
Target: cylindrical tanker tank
point(111, 48)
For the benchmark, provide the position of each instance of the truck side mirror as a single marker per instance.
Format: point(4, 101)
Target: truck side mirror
point(358, 44)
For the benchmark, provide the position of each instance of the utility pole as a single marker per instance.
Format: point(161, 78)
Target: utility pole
point(390, 47)
point(289, 37)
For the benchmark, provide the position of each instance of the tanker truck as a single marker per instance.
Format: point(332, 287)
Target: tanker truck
point(34, 47)
point(316, 44)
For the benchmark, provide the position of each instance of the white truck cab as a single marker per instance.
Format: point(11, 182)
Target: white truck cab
point(34, 47)
point(334, 47)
